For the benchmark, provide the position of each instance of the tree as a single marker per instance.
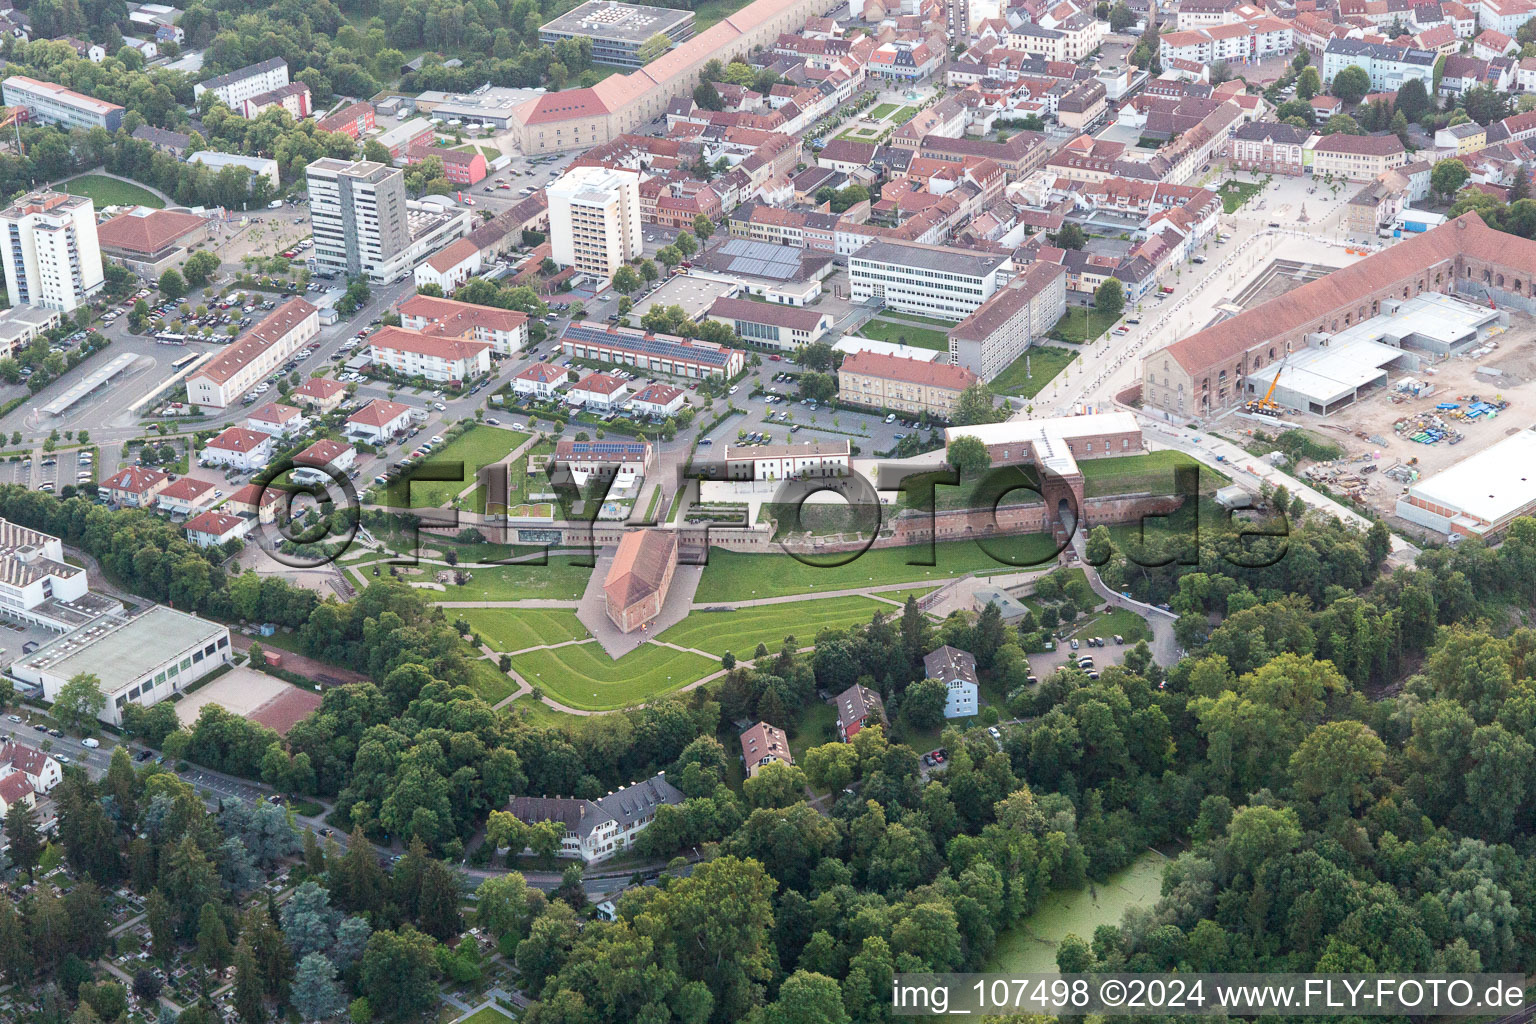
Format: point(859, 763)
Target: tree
point(1485, 105)
point(923, 703)
point(707, 97)
point(975, 405)
point(969, 455)
point(396, 973)
point(1520, 188)
point(200, 268)
point(1351, 84)
point(315, 994)
point(653, 47)
point(1309, 84)
point(775, 785)
point(1399, 125)
point(669, 256)
point(1342, 124)
point(502, 905)
point(831, 766)
point(1109, 298)
point(214, 951)
point(79, 702)
point(626, 280)
point(1121, 17)
point(172, 286)
point(1412, 100)
point(250, 986)
point(703, 227)
point(686, 244)
point(1069, 237)
point(24, 837)
point(807, 998)
point(1336, 765)
point(1448, 177)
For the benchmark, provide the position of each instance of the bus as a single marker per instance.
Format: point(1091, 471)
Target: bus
point(184, 362)
point(168, 338)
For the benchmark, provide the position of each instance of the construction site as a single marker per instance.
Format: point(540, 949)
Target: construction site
point(1414, 425)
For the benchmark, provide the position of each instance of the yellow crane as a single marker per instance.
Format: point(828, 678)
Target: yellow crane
point(1267, 404)
point(13, 116)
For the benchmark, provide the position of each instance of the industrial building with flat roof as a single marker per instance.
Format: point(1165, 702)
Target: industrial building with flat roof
point(1479, 496)
point(1214, 369)
point(933, 280)
point(1333, 371)
point(143, 659)
point(619, 31)
point(663, 353)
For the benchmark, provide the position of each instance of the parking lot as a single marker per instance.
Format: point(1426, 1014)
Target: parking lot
point(791, 419)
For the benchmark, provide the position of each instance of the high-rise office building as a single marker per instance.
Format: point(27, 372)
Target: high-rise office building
point(358, 211)
point(52, 258)
point(594, 219)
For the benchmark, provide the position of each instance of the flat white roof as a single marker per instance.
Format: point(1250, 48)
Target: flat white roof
point(1063, 427)
point(1437, 317)
point(1492, 485)
point(849, 344)
point(1331, 372)
point(95, 380)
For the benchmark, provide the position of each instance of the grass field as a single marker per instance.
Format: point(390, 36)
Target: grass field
point(1153, 472)
point(732, 576)
point(904, 115)
point(487, 1015)
point(933, 321)
point(811, 730)
point(476, 447)
point(1082, 324)
point(583, 676)
point(1117, 621)
point(111, 192)
point(862, 134)
point(538, 712)
point(489, 683)
point(1235, 193)
point(512, 629)
point(905, 334)
point(741, 631)
point(1044, 364)
point(883, 111)
point(560, 580)
point(711, 11)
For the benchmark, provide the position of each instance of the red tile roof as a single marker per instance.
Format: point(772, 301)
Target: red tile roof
point(909, 369)
point(133, 479)
point(1467, 235)
point(149, 233)
point(320, 387)
point(188, 488)
point(273, 412)
point(401, 340)
point(238, 439)
point(322, 453)
point(378, 413)
point(263, 336)
point(217, 524)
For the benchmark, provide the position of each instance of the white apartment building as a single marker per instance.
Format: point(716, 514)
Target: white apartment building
point(956, 669)
point(34, 576)
point(52, 258)
point(358, 211)
point(246, 83)
point(379, 421)
point(506, 330)
point(1389, 65)
point(438, 359)
point(597, 829)
point(221, 381)
point(931, 280)
point(788, 461)
point(239, 448)
point(1244, 42)
point(1020, 315)
point(594, 219)
point(364, 226)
